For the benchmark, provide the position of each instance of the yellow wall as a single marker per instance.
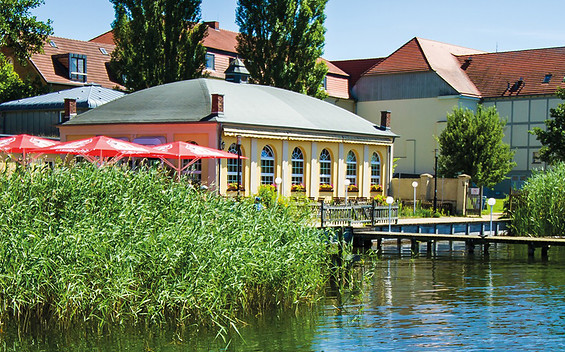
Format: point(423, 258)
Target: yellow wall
point(311, 167)
point(414, 119)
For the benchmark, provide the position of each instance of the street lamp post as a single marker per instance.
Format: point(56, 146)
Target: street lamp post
point(415, 185)
point(389, 201)
point(278, 182)
point(238, 163)
point(491, 202)
point(347, 182)
point(435, 181)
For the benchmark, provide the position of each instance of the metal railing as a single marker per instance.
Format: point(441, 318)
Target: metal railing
point(352, 214)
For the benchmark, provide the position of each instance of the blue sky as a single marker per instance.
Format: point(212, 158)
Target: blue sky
point(369, 28)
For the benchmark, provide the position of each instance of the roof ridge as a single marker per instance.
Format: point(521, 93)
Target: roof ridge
point(81, 41)
point(514, 51)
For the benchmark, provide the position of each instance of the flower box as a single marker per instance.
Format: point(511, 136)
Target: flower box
point(352, 188)
point(233, 187)
point(376, 188)
point(324, 187)
point(297, 188)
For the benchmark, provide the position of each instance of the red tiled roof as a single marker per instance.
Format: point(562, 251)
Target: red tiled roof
point(96, 62)
point(497, 74)
point(106, 38)
point(356, 68)
point(333, 69)
point(408, 58)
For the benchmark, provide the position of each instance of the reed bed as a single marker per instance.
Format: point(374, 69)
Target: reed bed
point(540, 209)
point(79, 243)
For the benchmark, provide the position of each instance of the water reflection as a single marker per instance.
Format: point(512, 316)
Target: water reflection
point(445, 302)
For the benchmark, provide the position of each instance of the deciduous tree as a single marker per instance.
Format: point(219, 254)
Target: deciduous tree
point(472, 144)
point(12, 87)
point(281, 42)
point(553, 138)
point(21, 31)
point(157, 42)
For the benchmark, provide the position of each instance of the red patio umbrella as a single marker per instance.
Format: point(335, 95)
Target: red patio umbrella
point(183, 150)
point(99, 148)
point(24, 143)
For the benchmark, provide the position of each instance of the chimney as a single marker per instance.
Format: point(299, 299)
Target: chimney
point(385, 120)
point(217, 104)
point(70, 109)
point(213, 24)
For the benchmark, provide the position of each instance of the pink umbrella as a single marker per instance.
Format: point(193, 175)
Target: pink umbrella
point(99, 148)
point(183, 150)
point(24, 143)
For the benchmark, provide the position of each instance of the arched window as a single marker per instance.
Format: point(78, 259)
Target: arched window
point(194, 171)
point(297, 167)
point(232, 166)
point(325, 167)
point(351, 168)
point(267, 166)
point(375, 169)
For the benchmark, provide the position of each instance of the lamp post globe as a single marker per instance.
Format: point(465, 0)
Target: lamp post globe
point(278, 182)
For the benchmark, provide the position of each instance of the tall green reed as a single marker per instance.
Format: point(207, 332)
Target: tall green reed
point(539, 211)
point(78, 243)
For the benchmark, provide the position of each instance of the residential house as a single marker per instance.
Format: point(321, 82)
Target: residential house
point(221, 51)
point(424, 80)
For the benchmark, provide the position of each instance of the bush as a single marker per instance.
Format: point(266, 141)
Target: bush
point(539, 211)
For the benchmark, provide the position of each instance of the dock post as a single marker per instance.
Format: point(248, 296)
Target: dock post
point(399, 245)
point(467, 228)
point(379, 246)
point(415, 248)
point(429, 245)
point(531, 250)
point(482, 232)
point(486, 246)
point(470, 247)
point(544, 250)
point(450, 246)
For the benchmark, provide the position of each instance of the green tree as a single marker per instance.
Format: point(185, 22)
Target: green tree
point(553, 138)
point(157, 42)
point(472, 144)
point(20, 31)
point(12, 87)
point(281, 42)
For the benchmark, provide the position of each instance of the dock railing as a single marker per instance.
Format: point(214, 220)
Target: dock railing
point(356, 214)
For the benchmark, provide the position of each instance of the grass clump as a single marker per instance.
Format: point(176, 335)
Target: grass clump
point(112, 245)
point(539, 210)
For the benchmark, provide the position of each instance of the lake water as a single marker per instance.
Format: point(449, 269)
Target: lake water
point(447, 302)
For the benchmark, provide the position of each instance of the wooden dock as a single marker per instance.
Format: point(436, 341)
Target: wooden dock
point(368, 238)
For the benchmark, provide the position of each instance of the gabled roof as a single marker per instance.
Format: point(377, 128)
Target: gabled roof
point(423, 55)
point(52, 71)
point(89, 96)
point(244, 105)
point(498, 74)
point(355, 68)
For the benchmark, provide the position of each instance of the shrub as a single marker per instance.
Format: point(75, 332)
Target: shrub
point(539, 211)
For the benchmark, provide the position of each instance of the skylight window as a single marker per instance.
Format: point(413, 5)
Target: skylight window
point(547, 78)
point(53, 44)
point(103, 51)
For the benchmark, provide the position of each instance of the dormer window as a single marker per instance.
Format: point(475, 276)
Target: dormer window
point(547, 78)
point(77, 67)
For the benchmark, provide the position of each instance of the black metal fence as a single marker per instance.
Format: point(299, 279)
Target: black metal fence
point(351, 214)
